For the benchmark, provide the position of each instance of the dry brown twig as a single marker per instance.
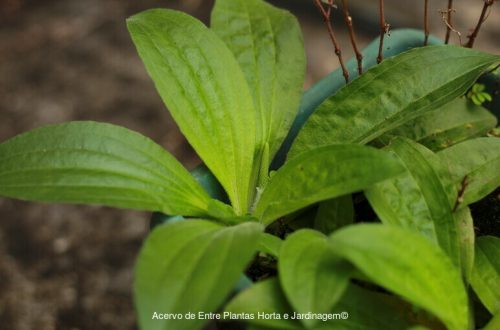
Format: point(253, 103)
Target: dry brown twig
point(460, 197)
point(426, 22)
point(484, 15)
point(352, 35)
point(445, 14)
point(326, 14)
point(384, 28)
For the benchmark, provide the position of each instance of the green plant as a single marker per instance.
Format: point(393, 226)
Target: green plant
point(234, 90)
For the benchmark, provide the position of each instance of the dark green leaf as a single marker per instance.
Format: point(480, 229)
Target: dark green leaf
point(321, 174)
point(409, 265)
point(479, 160)
point(485, 279)
point(205, 90)
point(400, 89)
point(421, 199)
point(95, 163)
point(267, 42)
point(334, 213)
point(190, 266)
point(452, 123)
point(312, 278)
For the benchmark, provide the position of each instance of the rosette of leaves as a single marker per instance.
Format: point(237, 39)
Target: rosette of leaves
point(234, 90)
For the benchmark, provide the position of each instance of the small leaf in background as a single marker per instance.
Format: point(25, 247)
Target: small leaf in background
point(477, 94)
point(333, 214)
point(409, 265)
point(270, 244)
point(264, 297)
point(479, 161)
point(96, 163)
point(421, 199)
point(452, 123)
point(312, 278)
point(267, 42)
point(190, 266)
point(321, 174)
point(205, 90)
point(398, 90)
point(485, 279)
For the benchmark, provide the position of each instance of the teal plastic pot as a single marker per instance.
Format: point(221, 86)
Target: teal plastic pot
point(399, 41)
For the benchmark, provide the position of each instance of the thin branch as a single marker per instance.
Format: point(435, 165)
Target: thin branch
point(449, 24)
point(449, 27)
point(352, 35)
point(384, 28)
point(426, 22)
point(326, 13)
point(461, 192)
point(472, 37)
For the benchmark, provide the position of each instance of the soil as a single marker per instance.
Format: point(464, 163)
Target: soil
point(71, 266)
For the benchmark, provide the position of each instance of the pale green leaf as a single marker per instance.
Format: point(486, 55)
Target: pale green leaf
point(334, 213)
point(203, 87)
point(190, 266)
point(399, 89)
point(467, 238)
point(321, 174)
point(266, 298)
point(421, 199)
point(267, 42)
point(485, 279)
point(270, 244)
point(479, 160)
point(409, 265)
point(452, 123)
point(312, 278)
point(96, 163)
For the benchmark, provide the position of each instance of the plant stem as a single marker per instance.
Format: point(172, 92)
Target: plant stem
point(472, 37)
point(426, 22)
point(352, 35)
point(384, 27)
point(449, 24)
point(326, 18)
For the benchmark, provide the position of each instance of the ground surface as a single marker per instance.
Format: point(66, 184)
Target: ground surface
point(70, 267)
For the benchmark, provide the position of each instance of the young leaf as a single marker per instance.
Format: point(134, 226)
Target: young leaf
point(452, 123)
point(267, 42)
point(270, 244)
point(95, 163)
point(190, 266)
point(203, 86)
point(485, 279)
point(321, 174)
point(312, 278)
point(409, 265)
point(264, 297)
point(467, 238)
point(399, 89)
point(479, 160)
point(421, 199)
point(334, 213)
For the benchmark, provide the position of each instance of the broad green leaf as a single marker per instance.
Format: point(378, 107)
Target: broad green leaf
point(452, 123)
point(265, 297)
point(409, 265)
point(494, 323)
point(203, 87)
point(321, 174)
point(312, 278)
point(467, 238)
point(334, 213)
point(399, 89)
point(479, 160)
point(485, 279)
point(421, 199)
point(190, 266)
point(96, 163)
point(267, 42)
point(270, 244)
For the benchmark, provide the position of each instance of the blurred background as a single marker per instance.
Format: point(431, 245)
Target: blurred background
point(70, 267)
